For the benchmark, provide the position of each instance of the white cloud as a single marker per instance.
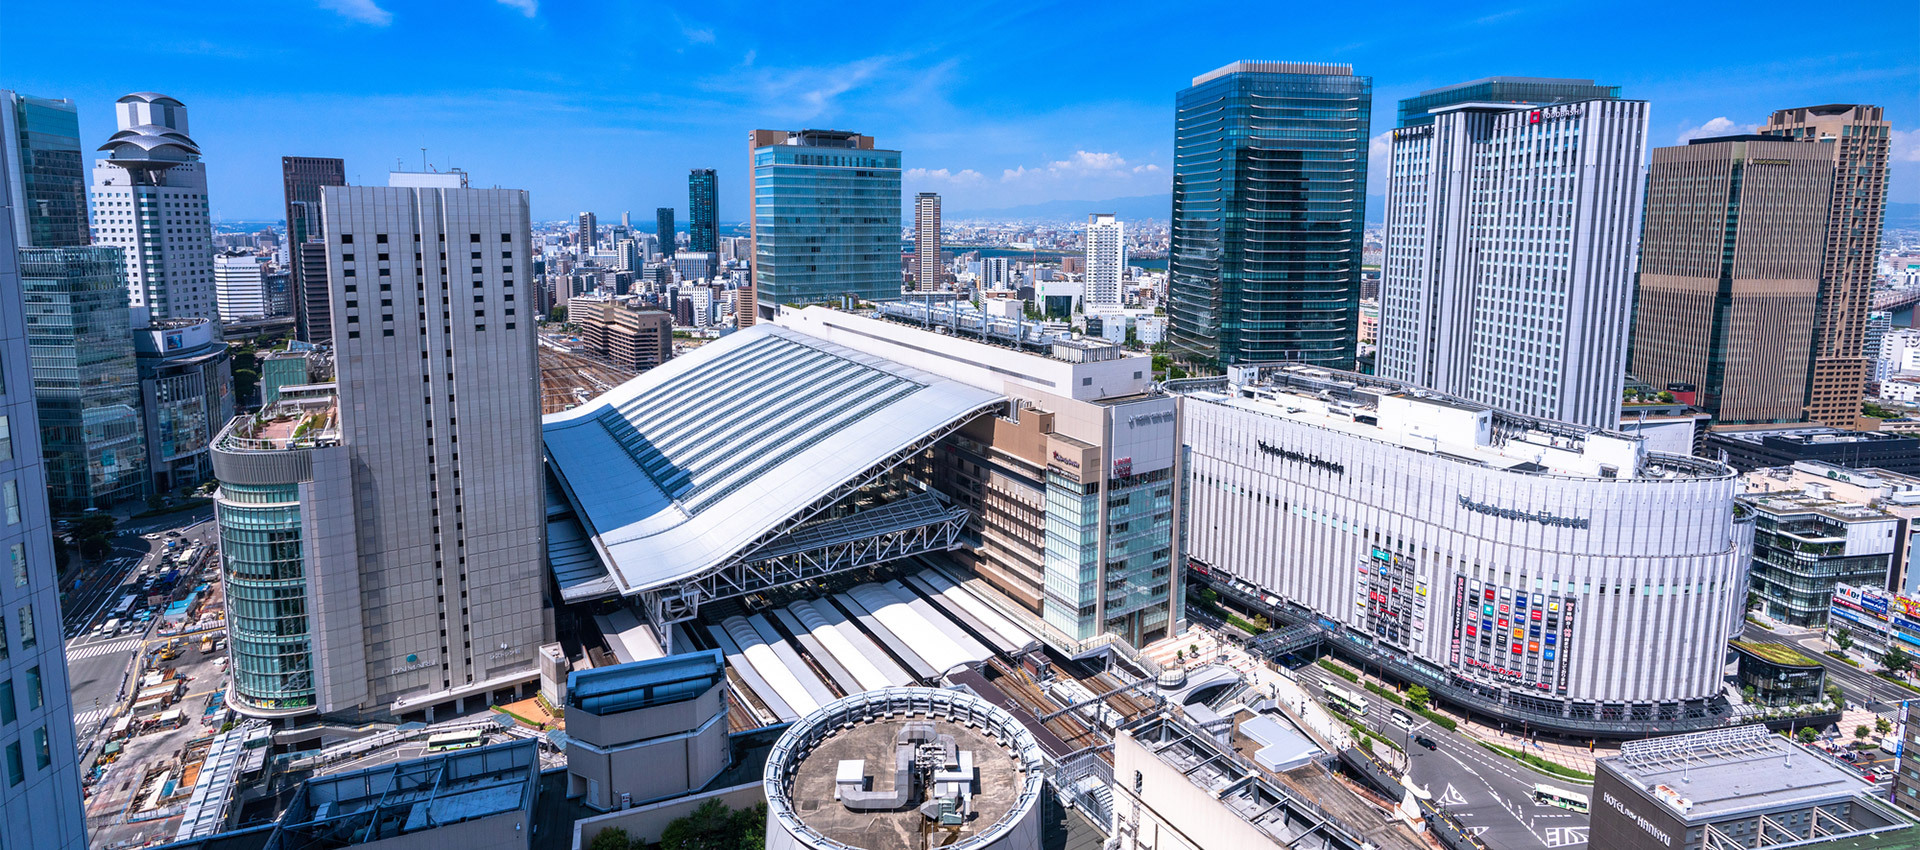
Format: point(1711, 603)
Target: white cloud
point(364, 11)
point(526, 7)
point(1722, 126)
point(1081, 164)
point(803, 93)
point(1903, 145)
point(1379, 158)
point(942, 175)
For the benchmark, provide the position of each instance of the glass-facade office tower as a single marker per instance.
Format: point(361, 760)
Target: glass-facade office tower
point(1856, 137)
point(303, 176)
point(663, 227)
point(49, 189)
point(186, 389)
point(1415, 111)
point(149, 199)
point(39, 773)
point(1508, 275)
point(587, 233)
point(1269, 201)
point(928, 271)
point(85, 376)
point(826, 218)
point(703, 209)
point(1729, 279)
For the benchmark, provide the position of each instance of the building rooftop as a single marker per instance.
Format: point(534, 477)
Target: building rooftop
point(710, 454)
point(387, 802)
point(1893, 493)
point(1710, 776)
point(1270, 807)
point(1808, 435)
point(306, 416)
point(624, 687)
point(1244, 66)
point(1419, 419)
point(1547, 81)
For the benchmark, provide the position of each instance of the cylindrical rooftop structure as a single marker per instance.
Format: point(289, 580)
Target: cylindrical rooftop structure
point(905, 769)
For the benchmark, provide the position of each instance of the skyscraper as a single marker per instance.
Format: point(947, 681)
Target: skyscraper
point(302, 177)
point(1508, 275)
point(826, 218)
point(587, 234)
point(39, 775)
point(1730, 273)
point(1856, 137)
point(150, 200)
point(663, 228)
point(703, 207)
point(1106, 260)
point(928, 271)
point(240, 285)
point(1269, 199)
point(440, 413)
point(85, 376)
point(49, 189)
point(310, 257)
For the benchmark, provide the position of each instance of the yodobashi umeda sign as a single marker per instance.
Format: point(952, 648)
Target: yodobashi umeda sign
point(1541, 517)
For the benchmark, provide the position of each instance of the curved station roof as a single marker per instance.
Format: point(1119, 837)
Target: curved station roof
point(706, 456)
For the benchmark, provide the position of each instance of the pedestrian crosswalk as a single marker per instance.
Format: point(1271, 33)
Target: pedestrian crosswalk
point(96, 649)
point(83, 722)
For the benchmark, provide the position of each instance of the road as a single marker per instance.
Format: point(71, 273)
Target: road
point(1861, 687)
point(1490, 793)
point(98, 665)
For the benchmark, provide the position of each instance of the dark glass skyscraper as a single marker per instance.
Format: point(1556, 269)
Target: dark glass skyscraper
point(50, 192)
point(703, 205)
point(84, 376)
point(663, 227)
point(303, 176)
point(1269, 199)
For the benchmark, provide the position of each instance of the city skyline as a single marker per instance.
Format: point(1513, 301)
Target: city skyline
point(971, 126)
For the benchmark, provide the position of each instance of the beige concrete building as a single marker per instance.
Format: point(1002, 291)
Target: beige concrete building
point(1735, 321)
point(633, 337)
point(1855, 137)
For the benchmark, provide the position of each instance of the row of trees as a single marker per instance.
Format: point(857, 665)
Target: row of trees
point(712, 826)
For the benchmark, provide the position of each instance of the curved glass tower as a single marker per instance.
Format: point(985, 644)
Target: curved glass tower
point(286, 549)
point(1269, 201)
point(260, 542)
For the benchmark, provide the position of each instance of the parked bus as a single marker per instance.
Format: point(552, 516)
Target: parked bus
point(455, 740)
point(1561, 797)
point(1345, 701)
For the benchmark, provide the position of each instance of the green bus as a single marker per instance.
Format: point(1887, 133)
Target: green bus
point(1345, 701)
point(1551, 796)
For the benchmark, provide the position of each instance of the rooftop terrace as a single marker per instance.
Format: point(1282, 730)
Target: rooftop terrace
point(305, 417)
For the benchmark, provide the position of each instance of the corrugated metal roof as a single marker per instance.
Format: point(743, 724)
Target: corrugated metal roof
point(681, 468)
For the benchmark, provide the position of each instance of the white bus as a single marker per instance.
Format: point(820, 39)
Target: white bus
point(1345, 701)
point(1549, 795)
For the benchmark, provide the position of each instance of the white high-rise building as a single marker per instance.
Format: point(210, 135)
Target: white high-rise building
point(630, 255)
point(39, 774)
point(149, 199)
point(928, 273)
point(1510, 255)
point(1106, 260)
point(240, 285)
point(994, 273)
point(440, 409)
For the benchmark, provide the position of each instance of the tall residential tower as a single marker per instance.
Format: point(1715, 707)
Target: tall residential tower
point(1729, 282)
point(928, 271)
point(663, 230)
point(1106, 261)
point(1855, 136)
point(1509, 263)
point(1269, 200)
point(150, 200)
point(703, 209)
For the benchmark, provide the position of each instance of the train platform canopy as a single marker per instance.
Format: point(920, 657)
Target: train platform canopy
point(719, 452)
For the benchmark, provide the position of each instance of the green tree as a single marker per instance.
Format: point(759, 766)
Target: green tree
point(1808, 735)
point(1843, 638)
point(715, 827)
point(611, 838)
point(1418, 697)
point(1896, 659)
point(1882, 725)
point(1862, 732)
point(558, 314)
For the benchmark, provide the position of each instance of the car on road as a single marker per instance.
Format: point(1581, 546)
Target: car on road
point(1403, 719)
point(1425, 741)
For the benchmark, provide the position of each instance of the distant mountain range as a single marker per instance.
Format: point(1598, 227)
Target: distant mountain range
point(1158, 207)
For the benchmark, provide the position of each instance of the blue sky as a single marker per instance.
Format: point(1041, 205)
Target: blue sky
point(604, 106)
